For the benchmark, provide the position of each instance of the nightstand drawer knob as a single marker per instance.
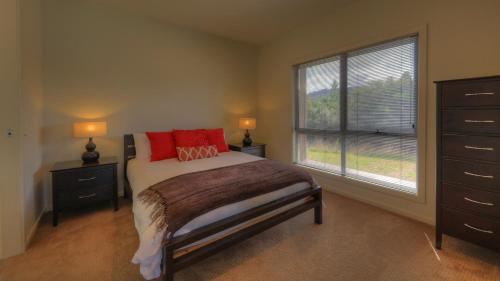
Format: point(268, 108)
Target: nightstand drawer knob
point(87, 179)
point(87, 196)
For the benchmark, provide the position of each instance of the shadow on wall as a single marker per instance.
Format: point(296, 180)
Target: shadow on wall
point(39, 194)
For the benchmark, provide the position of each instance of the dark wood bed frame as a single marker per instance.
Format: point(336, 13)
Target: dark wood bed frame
point(172, 264)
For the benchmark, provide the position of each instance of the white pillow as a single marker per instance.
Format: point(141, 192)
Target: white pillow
point(142, 147)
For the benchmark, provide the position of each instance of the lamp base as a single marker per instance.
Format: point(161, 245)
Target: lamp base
point(247, 141)
point(91, 155)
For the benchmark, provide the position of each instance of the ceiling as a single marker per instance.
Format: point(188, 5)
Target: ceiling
point(251, 21)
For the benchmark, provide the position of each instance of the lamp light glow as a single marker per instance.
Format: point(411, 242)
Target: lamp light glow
point(89, 129)
point(247, 123)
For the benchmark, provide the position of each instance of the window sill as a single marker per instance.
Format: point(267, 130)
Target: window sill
point(415, 197)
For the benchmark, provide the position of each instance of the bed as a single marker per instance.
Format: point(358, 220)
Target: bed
point(213, 231)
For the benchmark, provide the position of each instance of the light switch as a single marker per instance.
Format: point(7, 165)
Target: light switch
point(9, 132)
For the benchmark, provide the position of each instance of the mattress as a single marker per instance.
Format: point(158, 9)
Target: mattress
point(143, 174)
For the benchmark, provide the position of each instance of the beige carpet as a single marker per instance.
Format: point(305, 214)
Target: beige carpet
point(356, 242)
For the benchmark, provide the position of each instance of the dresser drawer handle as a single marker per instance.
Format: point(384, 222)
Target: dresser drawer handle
point(476, 175)
point(479, 94)
point(478, 229)
point(479, 148)
point(478, 202)
point(87, 179)
point(87, 196)
point(479, 121)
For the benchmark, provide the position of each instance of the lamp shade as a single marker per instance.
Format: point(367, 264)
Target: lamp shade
point(89, 129)
point(247, 123)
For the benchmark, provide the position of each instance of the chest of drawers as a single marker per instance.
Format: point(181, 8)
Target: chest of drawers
point(468, 161)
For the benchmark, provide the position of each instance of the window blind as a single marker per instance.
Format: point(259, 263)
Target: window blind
point(381, 87)
point(319, 83)
point(381, 107)
point(356, 114)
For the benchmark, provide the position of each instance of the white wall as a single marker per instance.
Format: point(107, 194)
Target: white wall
point(11, 213)
point(21, 196)
point(31, 113)
point(101, 63)
point(463, 41)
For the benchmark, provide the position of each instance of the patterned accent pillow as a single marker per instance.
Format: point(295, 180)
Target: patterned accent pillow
point(196, 152)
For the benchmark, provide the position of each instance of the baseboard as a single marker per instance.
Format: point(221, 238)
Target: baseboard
point(33, 229)
point(392, 202)
point(386, 207)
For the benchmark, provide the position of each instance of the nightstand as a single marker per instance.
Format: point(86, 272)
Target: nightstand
point(257, 149)
point(76, 185)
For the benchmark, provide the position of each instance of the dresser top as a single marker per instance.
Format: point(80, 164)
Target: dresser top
point(77, 164)
point(496, 77)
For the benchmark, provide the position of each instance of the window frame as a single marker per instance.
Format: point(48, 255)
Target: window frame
point(420, 110)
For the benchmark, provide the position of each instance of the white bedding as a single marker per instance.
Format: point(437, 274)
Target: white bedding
point(142, 174)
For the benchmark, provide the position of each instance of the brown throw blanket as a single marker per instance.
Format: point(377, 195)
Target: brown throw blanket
point(180, 199)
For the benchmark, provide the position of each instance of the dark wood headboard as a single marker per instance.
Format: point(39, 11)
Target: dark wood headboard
point(128, 153)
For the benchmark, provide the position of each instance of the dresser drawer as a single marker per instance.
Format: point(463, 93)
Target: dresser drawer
point(85, 178)
point(479, 201)
point(473, 93)
point(473, 147)
point(476, 229)
point(472, 120)
point(472, 174)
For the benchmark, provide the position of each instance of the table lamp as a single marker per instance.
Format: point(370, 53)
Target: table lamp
point(89, 130)
point(248, 124)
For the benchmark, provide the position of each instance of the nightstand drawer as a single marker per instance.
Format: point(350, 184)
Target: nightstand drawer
point(257, 151)
point(85, 178)
point(83, 196)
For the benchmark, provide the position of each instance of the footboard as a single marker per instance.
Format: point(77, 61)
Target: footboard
point(173, 264)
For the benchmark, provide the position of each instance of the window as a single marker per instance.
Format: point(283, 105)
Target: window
point(356, 114)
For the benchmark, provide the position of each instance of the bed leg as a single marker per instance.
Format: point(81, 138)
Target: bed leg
point(168, 264)
point(318, 210)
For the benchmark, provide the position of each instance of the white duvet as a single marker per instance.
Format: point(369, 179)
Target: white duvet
point(142, 174)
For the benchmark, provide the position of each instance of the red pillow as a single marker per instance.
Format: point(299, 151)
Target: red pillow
point(190, 138)
point(196, 152)
point(162, 145)
point(216, 137)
